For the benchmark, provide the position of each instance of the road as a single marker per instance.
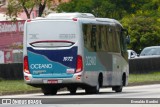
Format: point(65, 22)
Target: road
point(150, 93)
point(144, 91)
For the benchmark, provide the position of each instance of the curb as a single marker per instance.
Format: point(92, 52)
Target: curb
point(143, 83)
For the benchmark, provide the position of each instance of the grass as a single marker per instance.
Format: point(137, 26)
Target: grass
point(16, 86)
point(138, 78)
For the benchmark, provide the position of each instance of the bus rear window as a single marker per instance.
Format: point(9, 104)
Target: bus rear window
point(51, 44)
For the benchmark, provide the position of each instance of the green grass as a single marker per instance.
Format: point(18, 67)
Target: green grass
point(14, 86)
point(20, 86)
point(137, 78)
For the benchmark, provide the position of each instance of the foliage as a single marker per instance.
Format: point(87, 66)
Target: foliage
point(17, 6)
point(102, 8)
point(144, 31)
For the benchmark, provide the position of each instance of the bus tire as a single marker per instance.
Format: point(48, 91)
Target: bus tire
point(119, 88)
point(72, 90)
point(95, 89)
point(92, 90)
point(49, 91)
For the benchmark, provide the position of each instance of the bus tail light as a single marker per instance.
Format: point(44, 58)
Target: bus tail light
point(26, 67)
point(26, 78)
point(79, 64)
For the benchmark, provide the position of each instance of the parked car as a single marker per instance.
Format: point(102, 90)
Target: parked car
point(131, 54)
point(150, 51)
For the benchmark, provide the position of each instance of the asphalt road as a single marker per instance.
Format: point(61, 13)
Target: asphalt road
point(146, 94)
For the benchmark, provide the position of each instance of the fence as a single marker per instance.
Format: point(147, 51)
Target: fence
point(144, 65)
point(11, 71)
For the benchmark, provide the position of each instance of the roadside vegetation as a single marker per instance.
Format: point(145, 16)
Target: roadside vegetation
point(18, 86)
point(143, 78)
point(15, 86)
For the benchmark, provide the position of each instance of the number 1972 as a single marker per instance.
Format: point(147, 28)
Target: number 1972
point(69, 59)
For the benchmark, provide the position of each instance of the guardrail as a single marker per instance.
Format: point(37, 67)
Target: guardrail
point(144, 65)
point(11, 71)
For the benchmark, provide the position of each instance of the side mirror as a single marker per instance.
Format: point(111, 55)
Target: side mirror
point(125, 33)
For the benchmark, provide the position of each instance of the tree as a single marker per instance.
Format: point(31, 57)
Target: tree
point(144, 31)
point(100, 8)
point(116, 9)
point(17, 6)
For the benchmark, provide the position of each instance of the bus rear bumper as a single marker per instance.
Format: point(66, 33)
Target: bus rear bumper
point(77, 78)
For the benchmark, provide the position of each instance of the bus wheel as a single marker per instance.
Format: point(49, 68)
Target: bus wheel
point(119, 88)
point(96, 89)
point(93, 90)
point(49, 91)
point(72, 90)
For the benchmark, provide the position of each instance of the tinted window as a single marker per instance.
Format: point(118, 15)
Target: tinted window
point(101, 38)
point(150, 51)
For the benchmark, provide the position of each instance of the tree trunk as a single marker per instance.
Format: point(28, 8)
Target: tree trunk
point(28, 15)
point(41, 8)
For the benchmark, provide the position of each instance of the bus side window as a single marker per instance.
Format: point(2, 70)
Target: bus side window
point(116, 40)
point(85, 33)
point(123, 40)
point(98, 38)
point(104, 38)
point(110, 41)
point(93, 37)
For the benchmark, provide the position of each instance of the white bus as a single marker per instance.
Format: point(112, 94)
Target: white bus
point(75, 50)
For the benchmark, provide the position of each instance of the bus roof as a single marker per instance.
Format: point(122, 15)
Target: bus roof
point(84, 17)
point(69, 15)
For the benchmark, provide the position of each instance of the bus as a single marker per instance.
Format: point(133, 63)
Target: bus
point(75, 50)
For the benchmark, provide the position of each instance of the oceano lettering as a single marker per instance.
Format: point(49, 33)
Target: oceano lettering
point(40, 66)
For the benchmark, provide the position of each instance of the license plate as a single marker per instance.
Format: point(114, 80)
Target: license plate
point(52, 81)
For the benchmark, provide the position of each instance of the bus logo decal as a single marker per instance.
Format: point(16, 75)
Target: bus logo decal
point(41, 66)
